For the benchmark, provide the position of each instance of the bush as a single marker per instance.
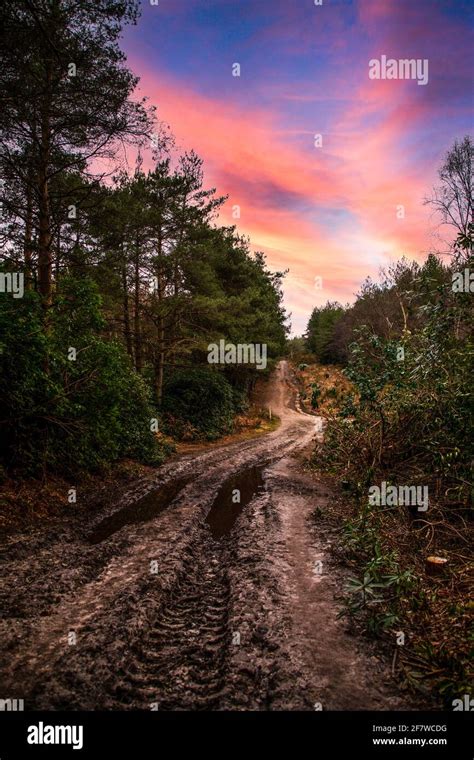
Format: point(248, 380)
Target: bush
point(412, 415)
point(198, 403)
point(70, 415)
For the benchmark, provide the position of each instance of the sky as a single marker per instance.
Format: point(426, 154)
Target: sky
point(328, 166)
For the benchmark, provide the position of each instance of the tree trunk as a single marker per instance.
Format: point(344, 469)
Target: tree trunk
point(44, 238)
point(27, 245)
point(138, 343)
point(161, 361)
point(160, 364)
point(126, 313)
point(44, 242)
point(58, 254)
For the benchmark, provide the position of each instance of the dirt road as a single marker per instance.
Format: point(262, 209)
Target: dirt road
point(177, 596)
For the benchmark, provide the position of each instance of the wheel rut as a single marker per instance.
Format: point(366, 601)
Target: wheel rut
point(180, 663)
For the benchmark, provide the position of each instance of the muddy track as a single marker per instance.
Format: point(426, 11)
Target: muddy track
point(180, 662)
point(181, 596)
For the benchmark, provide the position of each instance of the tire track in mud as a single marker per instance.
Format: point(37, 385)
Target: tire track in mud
point(180, 664)
point(175, 647)
point(190, 657)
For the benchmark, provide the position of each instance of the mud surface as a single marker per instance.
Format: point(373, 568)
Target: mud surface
point(203, 587)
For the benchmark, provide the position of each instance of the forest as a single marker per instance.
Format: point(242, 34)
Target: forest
point(127, 276)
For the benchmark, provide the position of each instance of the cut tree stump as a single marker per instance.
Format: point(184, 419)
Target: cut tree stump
point(435, 565)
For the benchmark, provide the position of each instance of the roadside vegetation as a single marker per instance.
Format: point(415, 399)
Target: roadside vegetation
point(406, 349)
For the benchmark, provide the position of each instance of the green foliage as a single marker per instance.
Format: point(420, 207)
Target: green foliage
point(383, 583)
point(315, 395)
point(199, 403)
point(320, 332)
point(24, 385)
point(413, 404)
point(63, 414)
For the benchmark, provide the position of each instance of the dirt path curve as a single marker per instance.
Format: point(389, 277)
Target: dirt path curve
point(177, 596)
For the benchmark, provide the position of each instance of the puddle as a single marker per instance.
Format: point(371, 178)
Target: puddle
point(142, 510)
point(224, 512)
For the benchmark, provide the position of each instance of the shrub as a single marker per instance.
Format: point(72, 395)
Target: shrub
point(198, 403)
point(70, 415)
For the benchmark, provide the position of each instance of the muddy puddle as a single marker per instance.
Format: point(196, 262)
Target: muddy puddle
point(232, 497)
point(142, 510)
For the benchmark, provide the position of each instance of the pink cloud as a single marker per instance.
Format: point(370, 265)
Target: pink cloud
point(365, 170)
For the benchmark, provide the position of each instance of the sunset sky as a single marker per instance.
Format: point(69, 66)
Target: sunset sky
point(328, 211)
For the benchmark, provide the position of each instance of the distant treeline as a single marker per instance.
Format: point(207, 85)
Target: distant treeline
point(388, 308)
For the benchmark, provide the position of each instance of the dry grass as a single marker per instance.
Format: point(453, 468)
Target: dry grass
point(333, 384)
